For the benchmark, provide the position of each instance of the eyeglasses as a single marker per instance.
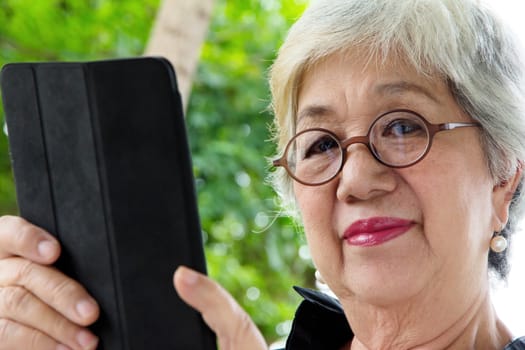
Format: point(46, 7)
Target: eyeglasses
point(398, 139)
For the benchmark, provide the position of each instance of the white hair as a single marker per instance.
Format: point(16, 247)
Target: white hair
point(460, 41)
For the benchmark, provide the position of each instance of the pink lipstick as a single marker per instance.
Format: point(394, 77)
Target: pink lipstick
point(376, 230)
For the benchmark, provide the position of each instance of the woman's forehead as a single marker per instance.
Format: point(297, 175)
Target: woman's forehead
point(342, 76)
point(367, 68)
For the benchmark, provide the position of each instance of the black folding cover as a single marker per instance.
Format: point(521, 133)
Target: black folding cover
point(101, 160)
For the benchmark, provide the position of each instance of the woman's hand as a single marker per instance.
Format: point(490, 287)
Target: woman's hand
point(234, 328)
point(40, 308)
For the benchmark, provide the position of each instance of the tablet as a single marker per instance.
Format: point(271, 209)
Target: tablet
point(101, 160)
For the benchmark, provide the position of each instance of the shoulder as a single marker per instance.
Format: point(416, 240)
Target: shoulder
point(517, 344)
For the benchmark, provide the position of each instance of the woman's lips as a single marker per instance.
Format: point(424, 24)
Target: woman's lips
point(376, 230)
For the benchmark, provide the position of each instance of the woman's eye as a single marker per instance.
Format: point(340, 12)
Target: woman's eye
point(402, 128)
point(320, 146)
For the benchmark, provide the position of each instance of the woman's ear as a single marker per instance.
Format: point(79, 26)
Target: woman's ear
point(502, 195)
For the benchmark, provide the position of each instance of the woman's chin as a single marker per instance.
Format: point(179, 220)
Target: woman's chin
point(379, 287)
point(391, 273)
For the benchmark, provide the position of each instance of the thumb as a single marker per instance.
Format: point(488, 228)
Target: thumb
point(232, 325)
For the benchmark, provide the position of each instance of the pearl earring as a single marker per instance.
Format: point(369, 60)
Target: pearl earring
point(498, 243)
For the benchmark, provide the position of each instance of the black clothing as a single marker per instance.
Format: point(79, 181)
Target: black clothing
point(320, 324)
point(518, 344)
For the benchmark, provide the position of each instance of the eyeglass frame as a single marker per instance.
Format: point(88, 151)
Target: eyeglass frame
point(344, 144)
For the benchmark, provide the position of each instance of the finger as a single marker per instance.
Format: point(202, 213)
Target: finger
point(231, 324)
point(21, 238)
point(51, 286)
point(16, 336)
point(19, 306)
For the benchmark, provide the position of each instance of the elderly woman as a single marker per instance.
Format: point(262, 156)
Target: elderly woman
point(400, 126)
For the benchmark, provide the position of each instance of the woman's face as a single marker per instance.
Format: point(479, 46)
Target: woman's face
point(381, 235)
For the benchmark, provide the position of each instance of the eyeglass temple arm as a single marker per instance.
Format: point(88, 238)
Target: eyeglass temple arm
point(451, 126)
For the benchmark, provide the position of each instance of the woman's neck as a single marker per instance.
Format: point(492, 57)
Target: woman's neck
point(477, 327)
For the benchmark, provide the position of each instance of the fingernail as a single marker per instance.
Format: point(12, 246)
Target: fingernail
point(62, 347)
point(86, 340)
point(46, 249)
point(189, 276)
point(85, 308)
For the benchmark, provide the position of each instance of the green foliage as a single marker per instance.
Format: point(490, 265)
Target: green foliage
point(251, 249)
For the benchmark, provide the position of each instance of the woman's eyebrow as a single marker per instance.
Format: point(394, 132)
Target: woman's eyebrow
point(401, 87)
point(313, 111)
point(390, 88)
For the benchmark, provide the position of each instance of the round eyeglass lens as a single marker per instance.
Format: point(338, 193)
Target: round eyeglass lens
point(314, 156)
point(399, 138)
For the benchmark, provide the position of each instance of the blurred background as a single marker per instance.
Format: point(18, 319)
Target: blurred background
point(251, 249)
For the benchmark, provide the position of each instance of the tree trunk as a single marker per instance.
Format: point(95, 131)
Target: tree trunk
point(178, 33)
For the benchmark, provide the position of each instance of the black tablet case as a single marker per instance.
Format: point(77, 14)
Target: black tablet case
point(101, 160)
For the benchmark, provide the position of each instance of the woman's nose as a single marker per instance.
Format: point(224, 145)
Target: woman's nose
point(363, 177)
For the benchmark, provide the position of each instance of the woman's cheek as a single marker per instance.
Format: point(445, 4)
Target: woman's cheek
point(316, 212)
